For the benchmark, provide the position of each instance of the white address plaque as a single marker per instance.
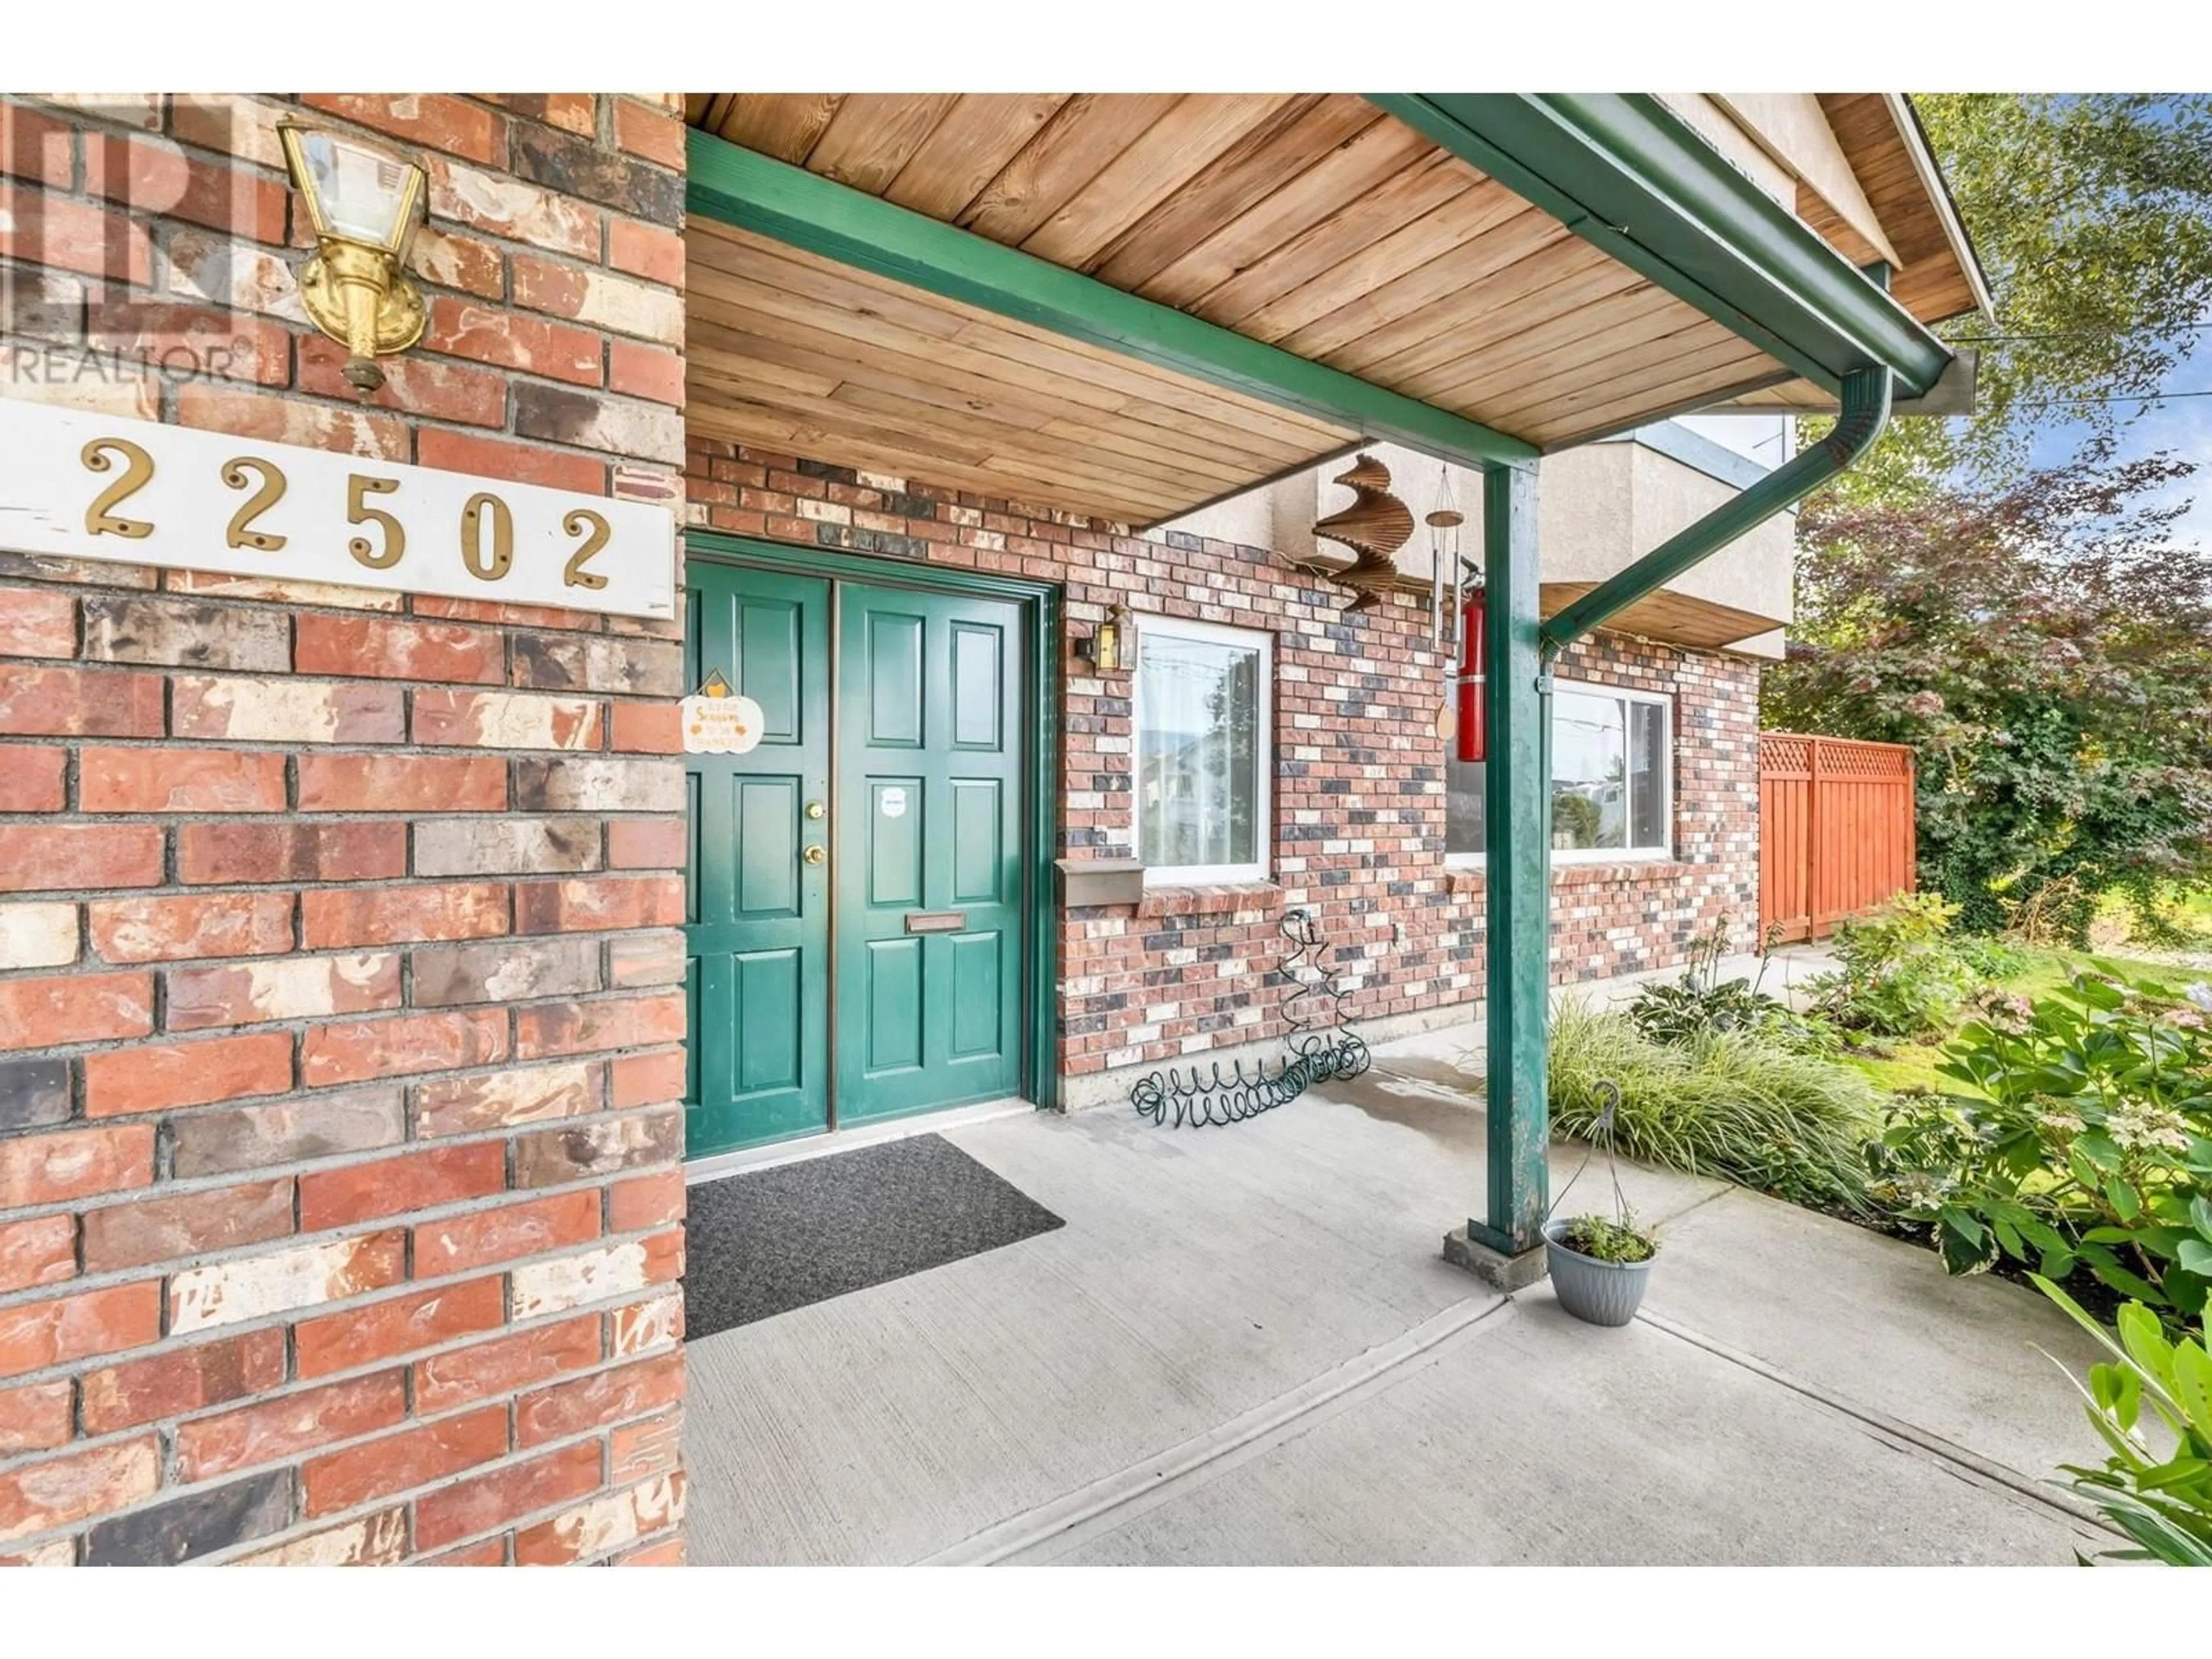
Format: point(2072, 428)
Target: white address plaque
point(80, 486)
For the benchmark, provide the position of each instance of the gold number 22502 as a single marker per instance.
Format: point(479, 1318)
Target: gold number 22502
point(487, 527)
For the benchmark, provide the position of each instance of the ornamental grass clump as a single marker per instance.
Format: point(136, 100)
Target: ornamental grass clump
point(1726, 1104)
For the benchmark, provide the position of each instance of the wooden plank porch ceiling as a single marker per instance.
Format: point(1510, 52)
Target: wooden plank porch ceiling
point(1314, 222)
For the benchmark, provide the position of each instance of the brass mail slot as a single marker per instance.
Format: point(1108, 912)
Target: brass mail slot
point(935, 921)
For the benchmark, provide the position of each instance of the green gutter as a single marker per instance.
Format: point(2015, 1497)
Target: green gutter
point(1865, 413)
point(758, 193)
point(1630, 176)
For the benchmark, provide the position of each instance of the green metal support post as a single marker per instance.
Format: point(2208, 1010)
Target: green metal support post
point(1507, 1246)
point(1507, 1249)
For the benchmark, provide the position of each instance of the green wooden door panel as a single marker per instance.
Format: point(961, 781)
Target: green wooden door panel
point(769, 660)
point(758, 917)
point(979, 665)
point(767, 1037)
point(976, 961)
point(770, 878)
point(929, 811)
point(979, 855)
point(894, 812)
point(890, 1015)
point(890, 663)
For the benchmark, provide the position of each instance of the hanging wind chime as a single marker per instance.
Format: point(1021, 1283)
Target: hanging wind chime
point(1443, 525)
point(1456, 629)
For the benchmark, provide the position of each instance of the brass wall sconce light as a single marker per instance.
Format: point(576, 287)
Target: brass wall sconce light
point(1113, 647)
point(364, 203)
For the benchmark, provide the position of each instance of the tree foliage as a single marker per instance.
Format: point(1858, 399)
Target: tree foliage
point(2092, 214)
point(2049, 657)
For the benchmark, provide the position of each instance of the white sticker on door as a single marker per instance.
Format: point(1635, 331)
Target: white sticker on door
point(894, 803)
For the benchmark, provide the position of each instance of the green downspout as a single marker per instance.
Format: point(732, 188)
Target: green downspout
point(1865, 412)
point(1517, 796)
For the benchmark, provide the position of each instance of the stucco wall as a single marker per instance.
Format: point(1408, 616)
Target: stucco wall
point(1599, 507)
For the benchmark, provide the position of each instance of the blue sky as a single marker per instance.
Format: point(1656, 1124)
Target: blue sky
point(2182, 426)
point(2186, 427)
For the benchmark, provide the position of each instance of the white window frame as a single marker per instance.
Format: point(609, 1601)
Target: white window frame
point(1661, 854)
point(1263, 805)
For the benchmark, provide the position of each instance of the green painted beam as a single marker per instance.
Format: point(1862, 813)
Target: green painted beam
point(1628, 174)
point(1517, 792)
point(1865, 413)
point(789, 205)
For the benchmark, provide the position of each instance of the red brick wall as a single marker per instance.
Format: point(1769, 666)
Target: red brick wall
point(1359, 831)
point(339, 999)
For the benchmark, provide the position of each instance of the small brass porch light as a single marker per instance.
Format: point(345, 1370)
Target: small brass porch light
point(1113, 647)
point(364, 203)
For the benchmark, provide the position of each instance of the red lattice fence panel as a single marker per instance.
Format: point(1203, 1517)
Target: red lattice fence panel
point(1835, 830)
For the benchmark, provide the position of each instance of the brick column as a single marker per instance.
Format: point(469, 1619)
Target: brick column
point(340, 992)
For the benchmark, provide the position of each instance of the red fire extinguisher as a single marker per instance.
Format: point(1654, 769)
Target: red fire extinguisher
point(1473, 706)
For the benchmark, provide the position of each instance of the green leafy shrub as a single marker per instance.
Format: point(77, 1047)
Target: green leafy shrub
point(1727, 1104)
point(1701, 1003)
point(1897, 973)
point(1991, 958)
point(2087, 1143)
point(2163, 1503)
point(2042, 643)
point(1604, 1239)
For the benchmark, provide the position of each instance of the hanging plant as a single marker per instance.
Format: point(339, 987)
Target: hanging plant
point(1599, 1264)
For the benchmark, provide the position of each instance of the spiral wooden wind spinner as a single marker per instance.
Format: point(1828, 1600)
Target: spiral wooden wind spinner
point(1376, 526)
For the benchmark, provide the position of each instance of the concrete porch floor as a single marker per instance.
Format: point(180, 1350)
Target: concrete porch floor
point(1245, 1347)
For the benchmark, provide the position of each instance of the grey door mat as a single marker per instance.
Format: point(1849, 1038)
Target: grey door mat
point(761, 1244)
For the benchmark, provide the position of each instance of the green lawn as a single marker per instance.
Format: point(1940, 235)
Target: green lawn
point(1913, 1065)
point(2187, 910)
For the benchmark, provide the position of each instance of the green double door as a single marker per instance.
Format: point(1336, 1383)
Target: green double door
point(856, 897)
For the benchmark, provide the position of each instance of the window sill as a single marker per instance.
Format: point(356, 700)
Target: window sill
point(1209, 898)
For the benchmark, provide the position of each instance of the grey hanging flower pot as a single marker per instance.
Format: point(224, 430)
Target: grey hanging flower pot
point(1600, 1291)
point(1599, 1265)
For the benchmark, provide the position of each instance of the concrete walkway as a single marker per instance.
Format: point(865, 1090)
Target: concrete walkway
point(1245, 1347)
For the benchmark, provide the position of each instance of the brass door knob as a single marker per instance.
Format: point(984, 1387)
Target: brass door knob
point(815, 855)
